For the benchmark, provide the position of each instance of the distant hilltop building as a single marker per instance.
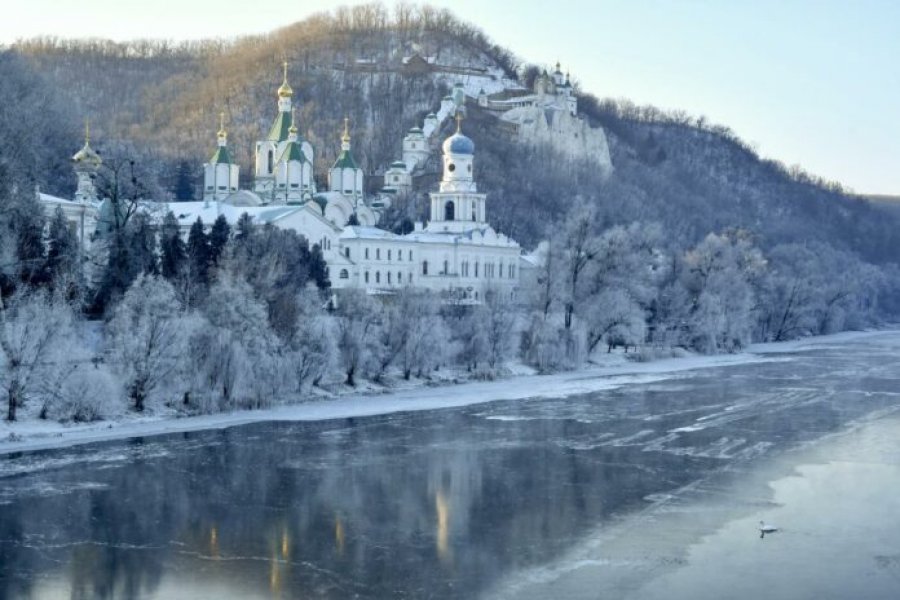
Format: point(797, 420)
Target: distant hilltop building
point(456, 253)
point(549, 114)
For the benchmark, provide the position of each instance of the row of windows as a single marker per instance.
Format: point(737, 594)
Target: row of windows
point(491, 270)
point(390, 254)
point(388, 277)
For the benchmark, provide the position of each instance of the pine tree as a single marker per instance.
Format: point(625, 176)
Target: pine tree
point(199, 252)
point(184, 181)
point(218, 238)
point(142, 241)
point(244, 228)
point(318, 269)
point(173, 252)
point(63, 254)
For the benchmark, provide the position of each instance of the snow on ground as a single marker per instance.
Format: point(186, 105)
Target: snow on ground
point(614, 371)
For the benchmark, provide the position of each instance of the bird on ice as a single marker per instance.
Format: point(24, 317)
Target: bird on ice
point(764, 529)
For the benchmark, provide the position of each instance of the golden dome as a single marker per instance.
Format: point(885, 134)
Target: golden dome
point(285, 90)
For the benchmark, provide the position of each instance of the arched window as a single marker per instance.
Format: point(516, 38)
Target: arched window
point(389, 276)
point(446, 267)
point(399, 277)
point(476, 268)
point(410, 256)
point(424, 267)
point(344, 274)
point(347, 252)
point(389, 255)
point(377, 253)
point(367, 254)
point(449, 209)
point(271, 162)
point(377, 276)
point(367, 277)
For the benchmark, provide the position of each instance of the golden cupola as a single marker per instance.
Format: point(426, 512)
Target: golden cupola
point(285, 90)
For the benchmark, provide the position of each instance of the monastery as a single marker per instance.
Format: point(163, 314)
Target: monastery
point(456, 252)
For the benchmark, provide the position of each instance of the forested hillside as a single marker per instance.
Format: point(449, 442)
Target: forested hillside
point(681, 171)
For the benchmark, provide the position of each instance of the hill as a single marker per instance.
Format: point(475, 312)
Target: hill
point(692, 177)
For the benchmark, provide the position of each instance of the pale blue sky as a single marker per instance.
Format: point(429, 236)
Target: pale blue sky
point(815, 83)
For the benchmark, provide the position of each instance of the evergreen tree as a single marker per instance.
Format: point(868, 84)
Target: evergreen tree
point(63, 253)
point(244, 228)
point(218, 239)
point(172, 249)
point(142, 242)
point(30, 245)
point(318, 268)
point(199, 252)
point(184, 181)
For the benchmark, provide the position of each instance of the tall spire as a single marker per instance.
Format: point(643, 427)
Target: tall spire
point(292, 131)
point(222, 134)
point(87, 131)
point(345, 137)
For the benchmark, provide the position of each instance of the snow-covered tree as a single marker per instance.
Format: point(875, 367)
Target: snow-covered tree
point(36, 346)
point(146, 338)
point(357, 321)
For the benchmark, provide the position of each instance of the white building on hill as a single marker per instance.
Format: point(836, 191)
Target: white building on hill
point(457, 253)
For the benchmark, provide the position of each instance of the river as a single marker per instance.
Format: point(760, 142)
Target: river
point(651, 490)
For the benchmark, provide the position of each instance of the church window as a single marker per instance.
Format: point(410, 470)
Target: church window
point(367, 254)
point(367, 277)
point(399, 277)
point(424, 267)
point(449, 209)
point(377, 253)
point(389, 277)
point(347, 252)
point(446, 268)
point(377, 276)
point(452, 167)
point(222, 187)
point(470, 168)
point(209, 187)
point(476, 268)
point(396, 179)
point(344, 274)
point(410, 255)
point(389, 254)
point(400, 255)
point(271, 162)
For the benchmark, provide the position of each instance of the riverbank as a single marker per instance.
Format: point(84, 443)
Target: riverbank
point(41, 435)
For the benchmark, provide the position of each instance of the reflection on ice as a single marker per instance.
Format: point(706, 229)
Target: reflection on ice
point(514, 499)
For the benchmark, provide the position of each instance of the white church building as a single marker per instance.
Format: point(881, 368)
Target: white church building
point(457, 253)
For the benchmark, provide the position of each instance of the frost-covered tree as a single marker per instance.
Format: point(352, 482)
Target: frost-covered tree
point(256, 353)
point(357, 321)
point(146, 338)
point(722, 276)
point(36, 346)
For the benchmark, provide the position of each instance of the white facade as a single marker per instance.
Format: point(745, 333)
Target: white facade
point(457, 253)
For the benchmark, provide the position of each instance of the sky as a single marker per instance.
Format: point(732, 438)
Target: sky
point(806, 82)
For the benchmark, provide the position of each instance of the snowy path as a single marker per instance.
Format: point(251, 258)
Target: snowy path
point(32, 436)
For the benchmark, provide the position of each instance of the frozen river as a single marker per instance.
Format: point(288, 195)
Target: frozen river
point(648, 491)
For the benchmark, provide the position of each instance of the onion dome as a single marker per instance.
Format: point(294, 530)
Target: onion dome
point(285, 90)
point(87, 157)
point(459, 144)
